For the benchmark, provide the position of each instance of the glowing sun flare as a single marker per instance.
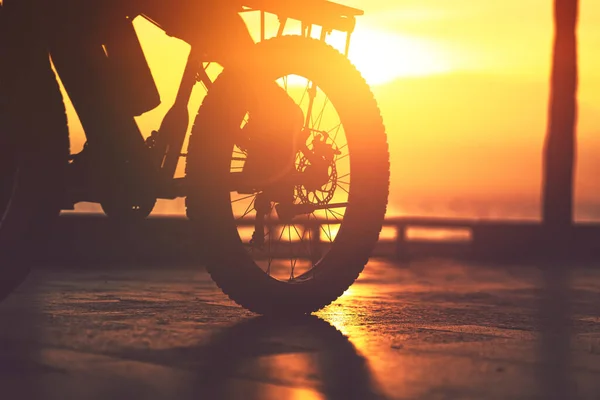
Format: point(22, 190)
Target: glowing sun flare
point(382, 57)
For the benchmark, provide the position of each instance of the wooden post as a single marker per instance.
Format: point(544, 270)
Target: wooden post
point(559, 167)
point(401, 252)
point(560, 146)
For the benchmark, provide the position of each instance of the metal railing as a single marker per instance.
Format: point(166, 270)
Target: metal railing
point(162, 239)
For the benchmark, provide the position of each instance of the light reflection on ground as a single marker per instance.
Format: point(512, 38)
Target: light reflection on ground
point(432, 329)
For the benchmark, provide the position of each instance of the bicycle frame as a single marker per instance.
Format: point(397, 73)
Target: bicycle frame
point(324, 14)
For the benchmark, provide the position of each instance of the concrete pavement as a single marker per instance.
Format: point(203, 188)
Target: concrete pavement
point(432, 329)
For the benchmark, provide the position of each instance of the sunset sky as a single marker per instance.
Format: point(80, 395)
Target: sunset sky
point(463, 89)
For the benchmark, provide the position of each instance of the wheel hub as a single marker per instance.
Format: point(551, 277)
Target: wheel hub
point(319, 173)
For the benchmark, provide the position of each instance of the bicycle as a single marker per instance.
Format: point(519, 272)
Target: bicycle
point(287, 165)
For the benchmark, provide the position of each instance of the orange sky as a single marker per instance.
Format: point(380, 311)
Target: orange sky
point(463, 90)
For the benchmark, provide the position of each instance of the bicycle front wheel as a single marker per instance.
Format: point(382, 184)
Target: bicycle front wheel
point(295, 243)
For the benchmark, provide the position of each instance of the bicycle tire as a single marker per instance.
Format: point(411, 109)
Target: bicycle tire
point(208, 202)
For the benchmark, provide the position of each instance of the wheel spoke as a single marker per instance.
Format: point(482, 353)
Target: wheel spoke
point(332, 214)
point(282, 232)
point(337, 131)
point(343, 147)
point(305, 92)
point(335, 128)
point(320, 116)
point(302, 239)
point(312, 91)
point(335, 212)
point(328, 225)
point(342, 157)
point(325, 232)
point(344, 189)
point(249, 209)
point(243, 198)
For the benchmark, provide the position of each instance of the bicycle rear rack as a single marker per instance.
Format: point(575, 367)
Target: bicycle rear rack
point(328, 15)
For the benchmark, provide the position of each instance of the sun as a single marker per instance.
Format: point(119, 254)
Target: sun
point(382, 57)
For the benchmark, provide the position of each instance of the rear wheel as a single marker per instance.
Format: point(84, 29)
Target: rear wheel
point(294, 240)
